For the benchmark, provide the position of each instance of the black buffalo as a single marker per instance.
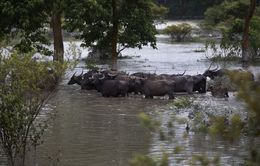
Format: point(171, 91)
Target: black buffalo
point(84, 80)
point(199, 83)
point(114, 88)
point(135, 85)
point(75, 79)
point(212, 74)
point(151, 76)
point(183, 84)
point(158, 88)
point(190, 84)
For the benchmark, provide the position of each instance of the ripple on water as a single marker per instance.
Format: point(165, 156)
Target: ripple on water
point(91, 130)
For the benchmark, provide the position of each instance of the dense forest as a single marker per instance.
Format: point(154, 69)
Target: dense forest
point(188, 9)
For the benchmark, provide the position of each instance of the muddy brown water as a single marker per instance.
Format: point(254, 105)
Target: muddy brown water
point(89, 130)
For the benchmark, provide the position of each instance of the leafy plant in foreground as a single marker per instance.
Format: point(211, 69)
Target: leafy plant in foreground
point(22, 81)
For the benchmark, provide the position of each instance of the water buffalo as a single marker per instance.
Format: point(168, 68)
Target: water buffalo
point(83, 79)
point(158, 88)
point(75, 79)
point(199, 83)
point(135, 85)
point(169, 76)
point(189, 83)
point(114, 88)
point(183, 84)
point(145, 75)
point(212, 74)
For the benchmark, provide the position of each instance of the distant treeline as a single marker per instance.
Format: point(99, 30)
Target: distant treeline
point(188, 9)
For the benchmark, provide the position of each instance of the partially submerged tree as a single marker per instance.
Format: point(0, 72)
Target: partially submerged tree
point(112, 25)
point(55, 10)
point(239, 26)
point(180, 32)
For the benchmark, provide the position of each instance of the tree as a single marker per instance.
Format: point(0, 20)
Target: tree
point(179, 32)
point(183, 9)
point(246, 55)
point(159, 11)
point(105, 24)
point(239, 28)
point(115, 29)
point(17, 21)
point(55, 10)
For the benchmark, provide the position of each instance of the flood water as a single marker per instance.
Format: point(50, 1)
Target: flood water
point(89, 130)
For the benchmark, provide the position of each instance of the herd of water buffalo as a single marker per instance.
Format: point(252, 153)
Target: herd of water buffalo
point(114, 83)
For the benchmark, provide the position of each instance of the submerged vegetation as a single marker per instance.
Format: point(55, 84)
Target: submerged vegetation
point(229, 128)
point(182, 102)
point(180, 32)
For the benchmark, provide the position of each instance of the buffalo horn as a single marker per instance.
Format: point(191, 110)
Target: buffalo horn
point(183, 72)
point(210, 65)
point(111, 75)
point(74, 74)
point(215, 68)
point(81, 73)
point(103, 76)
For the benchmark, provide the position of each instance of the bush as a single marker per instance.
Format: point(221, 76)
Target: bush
point(179, 32)
point(21, 99)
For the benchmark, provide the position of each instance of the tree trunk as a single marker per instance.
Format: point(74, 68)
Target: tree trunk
point(246, 53)
point(57, 36)
point(114, 35)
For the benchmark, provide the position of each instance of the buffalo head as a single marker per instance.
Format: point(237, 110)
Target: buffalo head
point(212, 73)
point(75, 79)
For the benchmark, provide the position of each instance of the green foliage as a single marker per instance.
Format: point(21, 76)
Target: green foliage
point(226, 12)
point(204, 161)
point(164, 160)
point(249, 92)
point(228, 18)
point(229, 129)
point(182, 102)
point(180, 32)
point(142, 160)
point(218, 126)
point(225, 53)
point(178, 149)
point(93, 19)
point(159, 11)
point(192, 9)
point(255, 36)
point(17, 21)
point(74, 53)
point(198, 124)
point(22, 81)
point(147, 122)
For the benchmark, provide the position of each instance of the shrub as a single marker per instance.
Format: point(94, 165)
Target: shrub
point(179, 32)
point(21, 99)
